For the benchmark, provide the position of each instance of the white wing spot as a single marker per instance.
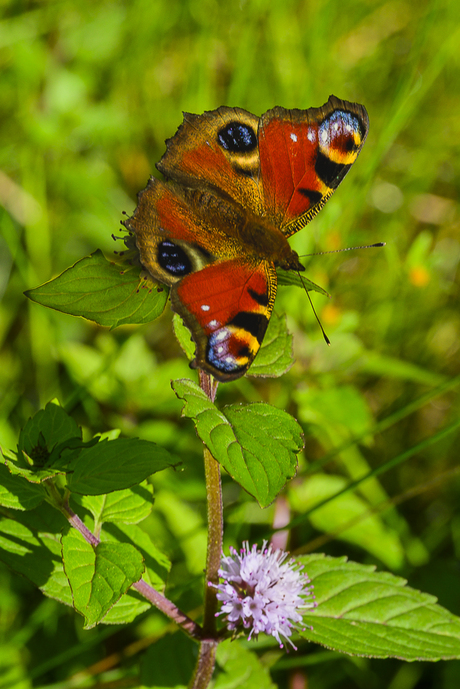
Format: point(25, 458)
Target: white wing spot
point(348, 128)
point(311, 135)
point(335, 126)
point(294, 137)
point(221, 335)
point(204, 307)
point(220, 349)
point(213, 323)
point(324, 136)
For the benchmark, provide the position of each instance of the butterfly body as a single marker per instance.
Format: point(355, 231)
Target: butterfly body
point(237, 186)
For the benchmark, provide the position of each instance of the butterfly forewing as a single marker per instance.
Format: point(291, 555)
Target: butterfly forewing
point(217, 150)
point(304, 155)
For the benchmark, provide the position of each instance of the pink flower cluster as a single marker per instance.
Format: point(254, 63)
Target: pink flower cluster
point(262, 592)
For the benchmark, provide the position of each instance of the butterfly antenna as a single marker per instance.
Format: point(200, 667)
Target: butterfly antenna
point(335, 251)
point(327, 340)
point(348, 248)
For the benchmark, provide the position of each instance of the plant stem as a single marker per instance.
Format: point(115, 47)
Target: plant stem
point(215, 532)
point(207, 654)
point(205, 665)
point(215, 524)
point(168, 608)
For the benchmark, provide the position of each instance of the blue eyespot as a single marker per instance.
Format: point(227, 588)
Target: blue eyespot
point(237, 137)
point(173, 259)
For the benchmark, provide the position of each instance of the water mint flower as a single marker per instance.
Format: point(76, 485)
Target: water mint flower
point(262, 592)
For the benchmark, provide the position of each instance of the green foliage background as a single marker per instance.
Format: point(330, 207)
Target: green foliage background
point(89, 92)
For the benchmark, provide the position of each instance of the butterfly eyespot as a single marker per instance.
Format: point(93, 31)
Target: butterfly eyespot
point(173, 259)
point(237, 138)
point(342, 131)
point(220, 355)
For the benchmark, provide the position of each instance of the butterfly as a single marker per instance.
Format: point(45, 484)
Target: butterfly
point(236, 187)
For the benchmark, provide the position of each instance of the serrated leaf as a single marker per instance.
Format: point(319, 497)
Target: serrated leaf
point(290, 277)
point(127, 608)
point(364, 612)
point(30, 472)
point(17, 493)
point(53, 424)
point(157, 567)
point(116, 465)
point(35, 555)
point(256, 444)
point(129, 506)
point(101, 291)
point(183, 336)
point(45, 435)
point(98, 576)
point(275, 356)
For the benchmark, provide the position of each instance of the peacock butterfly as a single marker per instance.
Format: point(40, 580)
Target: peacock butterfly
point(237, 186)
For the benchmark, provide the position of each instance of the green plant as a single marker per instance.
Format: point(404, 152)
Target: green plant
point(103, 558)
point(89, 93)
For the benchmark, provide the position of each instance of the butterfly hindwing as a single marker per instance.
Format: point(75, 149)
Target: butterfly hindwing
point(166, 230)
point(227, 307)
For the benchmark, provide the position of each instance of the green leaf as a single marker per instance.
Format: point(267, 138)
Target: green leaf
point(127, 608)
point(184, 337)
point(24, 466)
point(156, 564)
point(52, 424)
point(257, 444)
point(18, 494)
point(129, 506)
point(42, 442)
point(364, 612)
point(102, 291)
point(36, 556)
point(157, 567)
point(98, 576)
point(275, 356)
point(241, 667)
point(290, 277)
point(116, 465)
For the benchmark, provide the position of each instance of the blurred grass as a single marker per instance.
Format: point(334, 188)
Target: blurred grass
point(90, 91)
